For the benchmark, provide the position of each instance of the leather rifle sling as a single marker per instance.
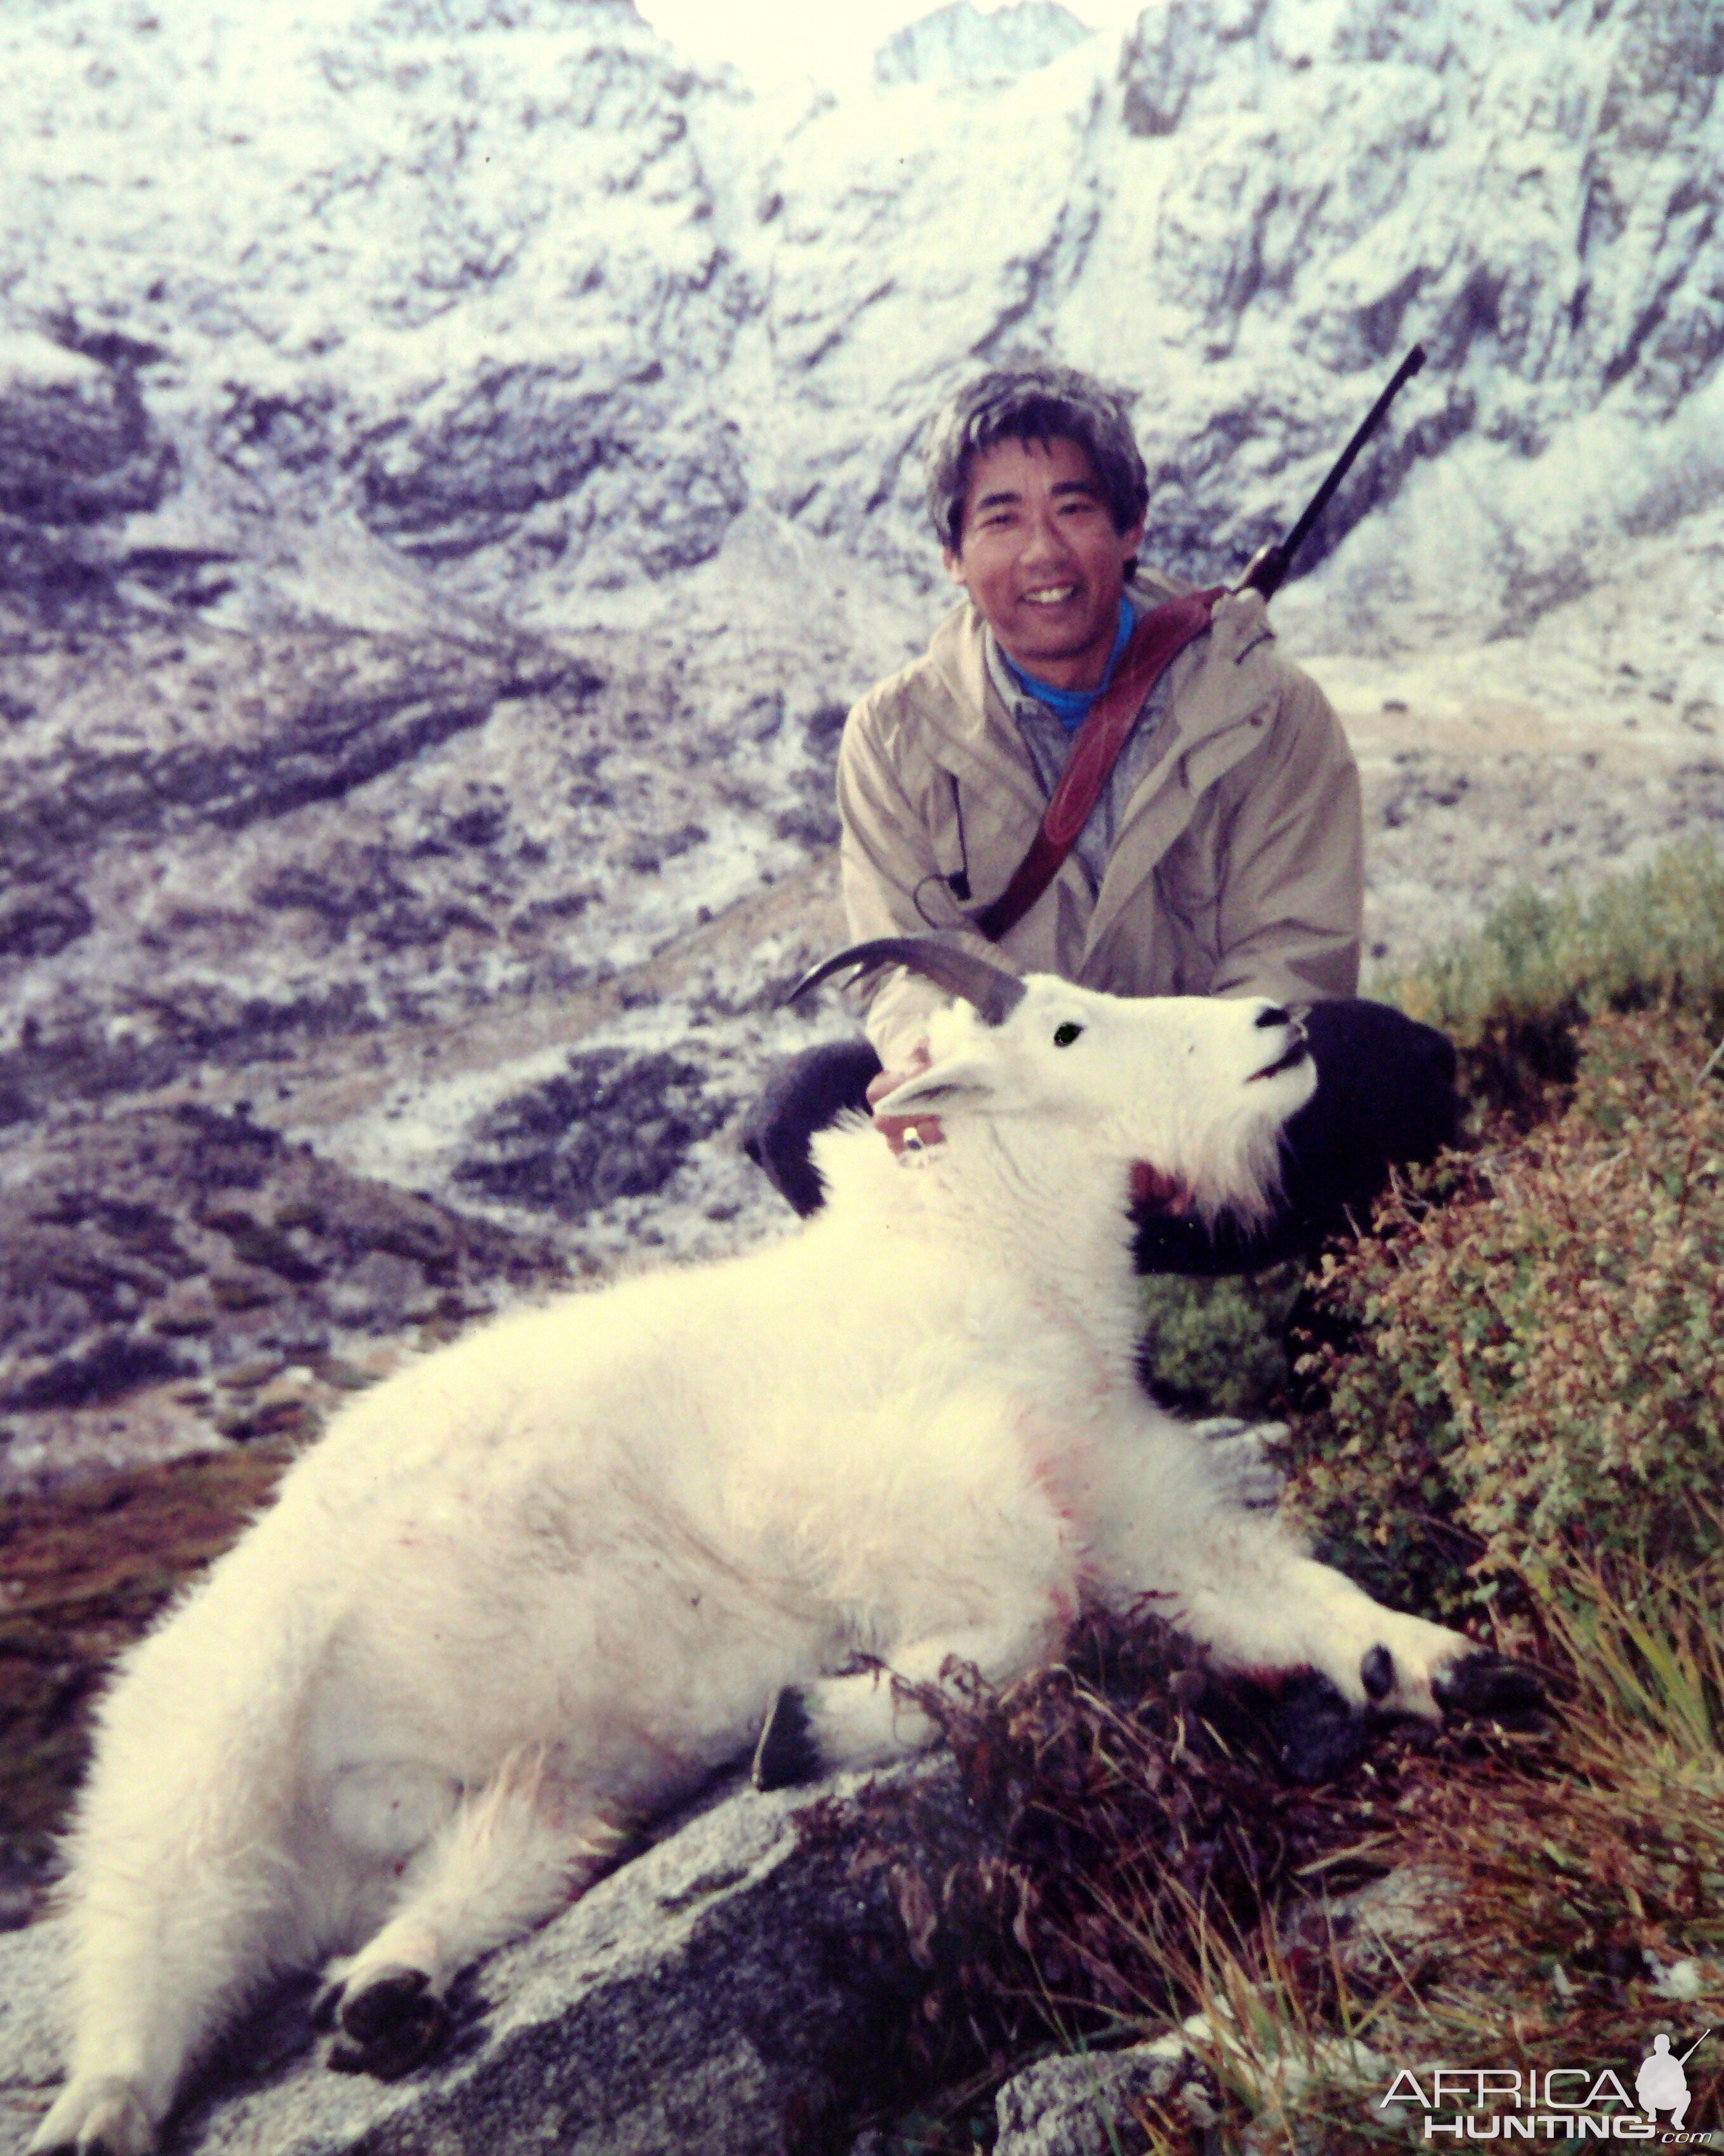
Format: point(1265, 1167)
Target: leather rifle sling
point(1159, 638)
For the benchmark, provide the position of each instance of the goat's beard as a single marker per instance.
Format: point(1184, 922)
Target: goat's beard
point(1255, 1174)
point(1237, 1173)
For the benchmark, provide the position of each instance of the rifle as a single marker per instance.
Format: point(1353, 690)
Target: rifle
point(1267, 570)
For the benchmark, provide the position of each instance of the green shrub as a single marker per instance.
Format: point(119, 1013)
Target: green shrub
point(1515, 997)
point(1532, 1372)
point(1217, 1347)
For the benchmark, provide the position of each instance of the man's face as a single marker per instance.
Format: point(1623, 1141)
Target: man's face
point(1040, 558)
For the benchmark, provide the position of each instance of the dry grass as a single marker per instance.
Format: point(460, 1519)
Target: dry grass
point(85, 1573)
point(1125, 1855)
point(1141, 1869)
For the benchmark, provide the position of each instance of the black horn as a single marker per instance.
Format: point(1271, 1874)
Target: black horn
point(994, 993)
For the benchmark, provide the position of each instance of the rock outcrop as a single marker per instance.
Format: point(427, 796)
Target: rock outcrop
point(198, 1250)
point(1091, 2103)
point(730, 1991)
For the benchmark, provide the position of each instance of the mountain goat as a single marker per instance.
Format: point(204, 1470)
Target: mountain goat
point(548, 1579)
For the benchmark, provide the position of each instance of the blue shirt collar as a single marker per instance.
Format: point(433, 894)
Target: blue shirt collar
point(1071, 706)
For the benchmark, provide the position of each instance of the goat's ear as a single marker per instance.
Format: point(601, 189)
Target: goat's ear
point(961, 1081)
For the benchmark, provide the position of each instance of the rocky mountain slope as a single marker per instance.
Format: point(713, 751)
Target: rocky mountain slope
point(457, 464)
point(956, 44)
point(446, 308)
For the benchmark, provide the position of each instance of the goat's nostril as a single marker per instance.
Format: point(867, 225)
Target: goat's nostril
point(1272, 1014)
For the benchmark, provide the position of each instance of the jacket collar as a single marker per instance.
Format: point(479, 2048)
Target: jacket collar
point(1213, 689)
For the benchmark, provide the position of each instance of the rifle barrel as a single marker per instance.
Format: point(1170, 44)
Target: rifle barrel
point(1269, 572)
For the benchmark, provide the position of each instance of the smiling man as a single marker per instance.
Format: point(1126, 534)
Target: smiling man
point(1223, 853)
point(1040, 556)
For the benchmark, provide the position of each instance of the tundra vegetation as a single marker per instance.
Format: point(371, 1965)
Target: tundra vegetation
point(1505, 1402)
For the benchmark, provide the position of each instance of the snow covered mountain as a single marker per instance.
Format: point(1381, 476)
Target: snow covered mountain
point(446, 309)
point(956, 43)
point(489, 321)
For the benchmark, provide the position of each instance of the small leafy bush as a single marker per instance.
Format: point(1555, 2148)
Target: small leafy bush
point(1516, 997)
point(1531, 1373)
point(1216, 1347)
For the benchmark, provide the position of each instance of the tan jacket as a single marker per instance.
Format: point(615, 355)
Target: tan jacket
point(1237, 866)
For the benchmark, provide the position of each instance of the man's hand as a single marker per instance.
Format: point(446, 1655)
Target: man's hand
point(896, 1129)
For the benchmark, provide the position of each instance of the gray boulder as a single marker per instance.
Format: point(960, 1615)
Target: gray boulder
point(730, 1991)
point(78, 452)
point(1400, 1929)
point(1088, 2104)
point(76, 445)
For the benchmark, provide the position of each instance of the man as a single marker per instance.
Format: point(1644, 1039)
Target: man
point(1223, 855)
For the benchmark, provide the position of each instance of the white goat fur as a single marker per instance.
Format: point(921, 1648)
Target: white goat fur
point(549, 1578)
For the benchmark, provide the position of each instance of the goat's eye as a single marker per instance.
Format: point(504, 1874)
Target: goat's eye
point(1064, 1035)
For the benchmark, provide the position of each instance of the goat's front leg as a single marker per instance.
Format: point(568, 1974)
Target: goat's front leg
point(1237, 1584)
point(516, 1853)
point(1268, 1609)
point(864, 1720)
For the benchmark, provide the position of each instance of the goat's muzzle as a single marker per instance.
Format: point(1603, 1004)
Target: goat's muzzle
point(993, 993)
point(1295, 1052)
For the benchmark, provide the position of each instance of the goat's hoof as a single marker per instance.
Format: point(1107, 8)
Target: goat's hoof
point(1317, 1735)
point(1377, 1672)
point(105, 2116)
point(786, 1753)
point(392, 2024)
point(1502, 1691)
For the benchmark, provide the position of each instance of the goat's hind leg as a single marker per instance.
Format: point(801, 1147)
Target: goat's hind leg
point(512, 1855)
point(179, 1905)
point(97, 2115)
point(162, 1951)
point(863, 1719)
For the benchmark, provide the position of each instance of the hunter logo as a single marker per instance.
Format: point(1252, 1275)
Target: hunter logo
point(1661, 2085)
point(1556, 2104)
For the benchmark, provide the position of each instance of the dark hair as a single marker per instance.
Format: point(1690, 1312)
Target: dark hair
point(1032, 404)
